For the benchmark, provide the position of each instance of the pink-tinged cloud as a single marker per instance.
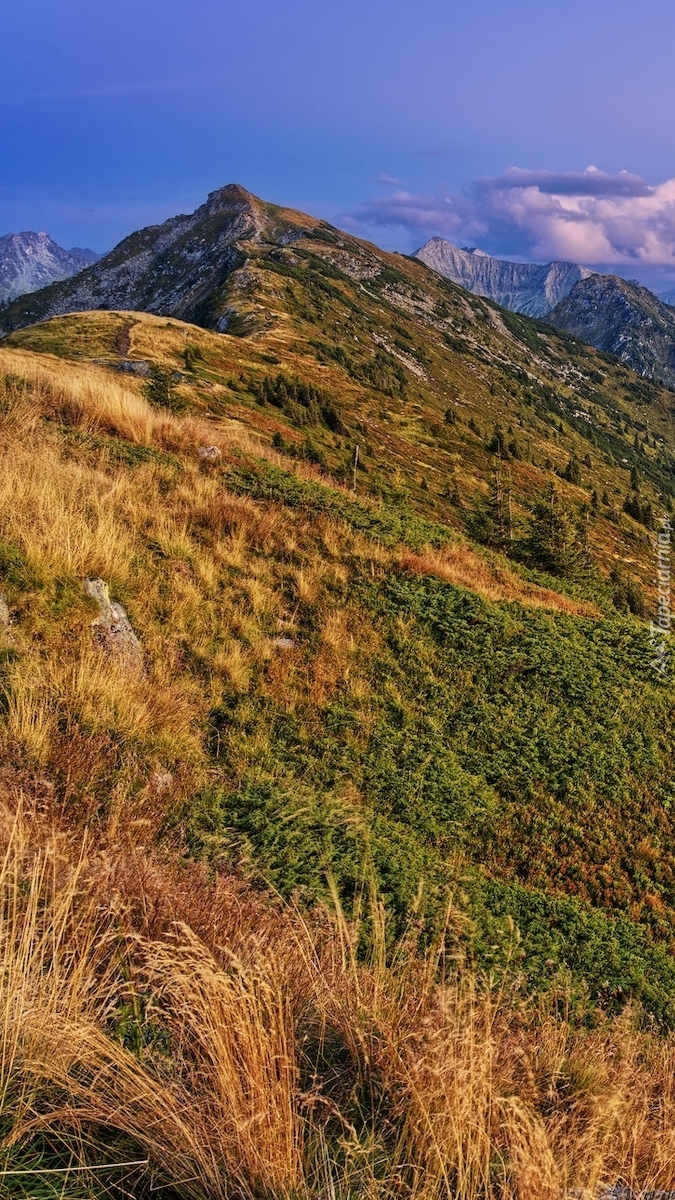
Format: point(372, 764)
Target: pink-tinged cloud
point(588, 217)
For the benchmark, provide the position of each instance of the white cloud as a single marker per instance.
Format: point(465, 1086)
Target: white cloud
point(590, 216)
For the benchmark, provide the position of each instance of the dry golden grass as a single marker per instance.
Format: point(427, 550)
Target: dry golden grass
point(463, 567)
point(64, 517)
point(90, 398)
point(87, 396)
point(209, 579)
point(246, 1052)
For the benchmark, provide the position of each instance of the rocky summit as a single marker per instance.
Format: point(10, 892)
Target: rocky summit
point(529, 288)
point(188, 267)
point(622, 318)
point(29, 261)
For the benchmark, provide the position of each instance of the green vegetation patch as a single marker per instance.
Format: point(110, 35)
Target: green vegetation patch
point(266, 481)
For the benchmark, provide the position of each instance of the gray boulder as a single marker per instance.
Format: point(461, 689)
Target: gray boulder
point(112, 630)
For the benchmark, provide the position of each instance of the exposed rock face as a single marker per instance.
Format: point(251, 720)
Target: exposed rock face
point(4, 612)
point(178, 269)
point(530, 288)
point(29, 261)
point(112, 629)
point(624, 319)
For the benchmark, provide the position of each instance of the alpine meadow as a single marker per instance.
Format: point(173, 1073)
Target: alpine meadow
point(336, 783)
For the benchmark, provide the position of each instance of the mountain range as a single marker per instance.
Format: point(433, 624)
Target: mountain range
point(199, 267)
point(608, 312)
point(29, 261)
point(530, 288)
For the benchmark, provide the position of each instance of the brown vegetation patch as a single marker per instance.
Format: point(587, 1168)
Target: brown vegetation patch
point(463, 567)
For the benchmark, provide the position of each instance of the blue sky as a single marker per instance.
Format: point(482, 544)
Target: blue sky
point(397, 119)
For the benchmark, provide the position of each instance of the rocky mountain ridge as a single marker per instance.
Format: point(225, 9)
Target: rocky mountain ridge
point(529, 288)
point(610, 313)
point(223, 267)
point(621, 318)
point(30, 261)
point(180, 268)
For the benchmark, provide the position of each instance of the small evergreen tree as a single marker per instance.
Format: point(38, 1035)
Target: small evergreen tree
point(640, 510)
point(552, 543)
point(497, 443)
point(159, 388)
point(572, 472)
point(453, 495)
point(492, 523)
point(191, 356)
point(627, 594)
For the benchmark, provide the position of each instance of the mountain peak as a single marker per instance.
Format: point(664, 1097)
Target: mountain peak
point(622, 318)
point(184, 267)
point(530, 288)
point(32, 260)
point(232, 195)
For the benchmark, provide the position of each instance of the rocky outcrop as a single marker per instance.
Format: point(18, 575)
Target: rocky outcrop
point(622, 318)
point(112, 629)
point(29, 261)
point(530, 288)
point(5, 622)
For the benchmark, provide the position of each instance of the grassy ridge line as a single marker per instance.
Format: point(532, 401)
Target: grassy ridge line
point(553, 405)
point(92, 400)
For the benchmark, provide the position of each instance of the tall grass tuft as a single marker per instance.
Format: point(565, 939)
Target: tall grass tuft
point(242, 1050)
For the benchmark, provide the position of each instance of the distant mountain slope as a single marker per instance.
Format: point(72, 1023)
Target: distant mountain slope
point(29, 261)
point(530, 288)
point(668, 297)
point(624, 319)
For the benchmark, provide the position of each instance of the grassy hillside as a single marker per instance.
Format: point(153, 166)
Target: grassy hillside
point(354, 679)
point(332, 679)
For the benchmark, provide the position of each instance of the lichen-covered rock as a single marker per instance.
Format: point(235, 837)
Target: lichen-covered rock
point(112, 630)
point(5, 619)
